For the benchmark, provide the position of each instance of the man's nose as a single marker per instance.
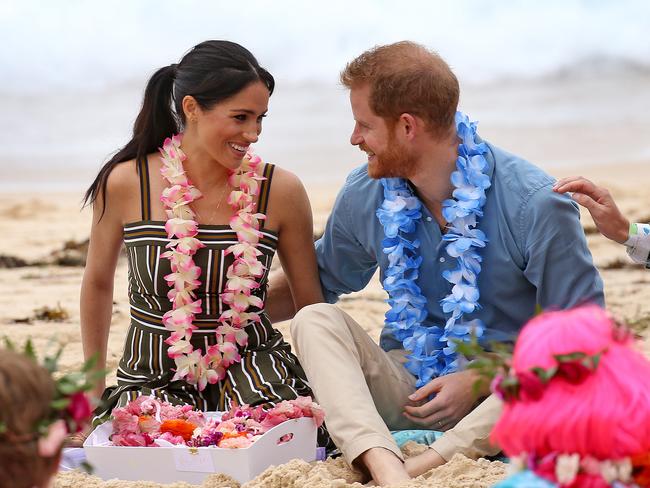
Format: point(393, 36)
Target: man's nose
point(355, 137)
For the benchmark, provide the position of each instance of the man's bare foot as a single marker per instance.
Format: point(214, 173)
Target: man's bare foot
point(77, 440)
point(417, 465)
point(384, 466)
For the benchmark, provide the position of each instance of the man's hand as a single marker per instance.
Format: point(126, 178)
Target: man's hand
point(455, 396)
point(608, 219)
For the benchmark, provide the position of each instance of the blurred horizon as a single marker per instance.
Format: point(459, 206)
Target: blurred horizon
point(529, 71)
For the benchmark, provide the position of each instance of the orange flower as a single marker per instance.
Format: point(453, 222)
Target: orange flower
point(178, 427)
point(641, 469)
point(232, 435)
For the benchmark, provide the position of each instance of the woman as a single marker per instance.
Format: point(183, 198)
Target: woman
point(201, 226)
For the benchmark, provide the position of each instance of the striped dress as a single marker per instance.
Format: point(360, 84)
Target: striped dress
point(268, 371)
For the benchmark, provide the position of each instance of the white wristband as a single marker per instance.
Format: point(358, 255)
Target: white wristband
point(638, 244)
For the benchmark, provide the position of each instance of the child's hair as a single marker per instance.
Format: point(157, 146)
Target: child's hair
point(605, 416)
point(26, 394)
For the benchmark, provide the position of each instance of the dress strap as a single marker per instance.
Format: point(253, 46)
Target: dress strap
point(145, 200)
point(265, 188)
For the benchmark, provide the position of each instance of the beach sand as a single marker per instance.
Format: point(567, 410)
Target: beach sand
point(37, 226)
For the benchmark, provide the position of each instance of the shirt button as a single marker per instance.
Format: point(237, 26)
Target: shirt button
point(429, 219)
point(442, 260)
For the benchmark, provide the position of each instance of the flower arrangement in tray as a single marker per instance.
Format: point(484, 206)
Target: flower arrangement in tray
point(150, 422)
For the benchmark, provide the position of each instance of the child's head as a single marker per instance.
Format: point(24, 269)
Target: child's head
point(29, 453)
point(605, 414)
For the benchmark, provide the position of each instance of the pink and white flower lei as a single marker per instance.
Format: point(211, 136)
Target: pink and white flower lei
point(192, 365)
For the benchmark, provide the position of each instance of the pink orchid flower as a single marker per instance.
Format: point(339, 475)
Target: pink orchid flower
point(184, 277)
point(230, 354)
point(186, 364)
point(246, 267)
point(244, 250)
point(179, 349)
point(240, 284)
point(240, 301)
point(181, 228)
point(180, 298)
point(239, 319)
point(173, 173)
point(232, 334)
point(175, 257)
point(253, 159)
point(188, 245)
point(240, 199)
point(245, 231)
point(173, 194)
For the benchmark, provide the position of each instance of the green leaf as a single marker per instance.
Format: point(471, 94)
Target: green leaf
point(9, 344)
point(60, 403)
point(90, 363)
point(51, 363)
point(29, 351)
point(572, 356)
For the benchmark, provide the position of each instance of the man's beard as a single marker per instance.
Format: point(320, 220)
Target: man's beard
point(394, 162)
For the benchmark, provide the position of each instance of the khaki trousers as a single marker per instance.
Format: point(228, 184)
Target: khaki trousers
point(362, 388)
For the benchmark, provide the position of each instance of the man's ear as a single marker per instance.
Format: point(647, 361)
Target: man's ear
point(409, 126)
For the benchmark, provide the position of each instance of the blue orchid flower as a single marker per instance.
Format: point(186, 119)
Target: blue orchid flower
point(433, 348)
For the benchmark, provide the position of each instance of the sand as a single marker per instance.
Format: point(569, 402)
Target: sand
point(36, 226)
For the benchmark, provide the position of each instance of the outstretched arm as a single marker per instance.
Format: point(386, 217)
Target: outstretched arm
point(608, 218)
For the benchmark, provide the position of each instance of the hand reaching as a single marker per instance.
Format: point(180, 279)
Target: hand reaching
point(609, 220)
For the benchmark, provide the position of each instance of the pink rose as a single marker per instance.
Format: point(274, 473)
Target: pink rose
point(132, 440)
point(531, 386)
point(573, 371)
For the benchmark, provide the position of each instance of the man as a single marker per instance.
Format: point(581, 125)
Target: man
point(609, 220)
point(446, 277)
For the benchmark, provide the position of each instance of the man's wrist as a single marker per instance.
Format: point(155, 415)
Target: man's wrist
point(624, 232)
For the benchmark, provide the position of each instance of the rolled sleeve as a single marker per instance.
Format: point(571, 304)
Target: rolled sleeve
point(638, 244)
point(557, 260)
point(344, 264)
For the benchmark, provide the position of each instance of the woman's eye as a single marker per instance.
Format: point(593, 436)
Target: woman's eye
point(259, 119)
point(241, 117)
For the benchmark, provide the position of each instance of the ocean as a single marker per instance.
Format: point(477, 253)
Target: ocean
point(559, 82)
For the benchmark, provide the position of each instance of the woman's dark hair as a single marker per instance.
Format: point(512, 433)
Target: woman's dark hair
point(211, 72)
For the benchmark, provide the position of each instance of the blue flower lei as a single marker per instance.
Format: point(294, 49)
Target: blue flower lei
point(433, 348)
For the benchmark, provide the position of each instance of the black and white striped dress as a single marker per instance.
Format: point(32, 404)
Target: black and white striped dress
point(268, 371)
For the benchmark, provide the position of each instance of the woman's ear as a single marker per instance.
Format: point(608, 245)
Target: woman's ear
point(190, 108)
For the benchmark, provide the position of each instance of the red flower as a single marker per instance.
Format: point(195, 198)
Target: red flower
point(79, 411)
point(573, 371)
point(531, 386)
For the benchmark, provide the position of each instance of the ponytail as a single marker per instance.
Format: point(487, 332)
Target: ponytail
point(154, 123)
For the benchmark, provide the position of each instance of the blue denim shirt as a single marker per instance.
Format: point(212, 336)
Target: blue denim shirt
point(537, 252)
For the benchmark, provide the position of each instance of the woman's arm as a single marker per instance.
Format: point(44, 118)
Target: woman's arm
point(97, 285)
point(299, 285)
